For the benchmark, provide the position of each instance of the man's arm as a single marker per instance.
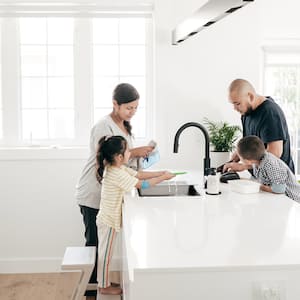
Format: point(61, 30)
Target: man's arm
point(275, 148)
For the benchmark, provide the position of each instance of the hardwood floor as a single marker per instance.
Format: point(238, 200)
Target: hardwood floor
point(103, 297)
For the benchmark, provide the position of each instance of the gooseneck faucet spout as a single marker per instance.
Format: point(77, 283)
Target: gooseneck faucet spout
point(206, 136)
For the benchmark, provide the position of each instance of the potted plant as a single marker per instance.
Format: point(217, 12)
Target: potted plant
point(222, 137)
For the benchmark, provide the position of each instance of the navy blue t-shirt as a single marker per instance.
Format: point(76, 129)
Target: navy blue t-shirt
point(268, 122)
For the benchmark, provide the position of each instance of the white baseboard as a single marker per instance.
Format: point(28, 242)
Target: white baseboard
point(30, 265)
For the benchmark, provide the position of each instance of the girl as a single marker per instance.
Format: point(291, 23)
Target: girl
point(125, 101)
point(116, 179)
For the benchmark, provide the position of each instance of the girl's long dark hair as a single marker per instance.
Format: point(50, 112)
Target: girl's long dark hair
point(108, 148)
point(125, 93)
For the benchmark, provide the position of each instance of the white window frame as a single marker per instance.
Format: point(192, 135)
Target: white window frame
point(82, 74)
point(283, 47)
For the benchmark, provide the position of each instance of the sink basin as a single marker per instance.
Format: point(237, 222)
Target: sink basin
point(175, 188)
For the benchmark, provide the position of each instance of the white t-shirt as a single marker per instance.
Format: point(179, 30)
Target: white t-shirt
point(88, 189)
point(116, 181)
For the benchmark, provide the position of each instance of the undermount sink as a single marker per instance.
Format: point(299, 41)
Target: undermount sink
point(173, 188)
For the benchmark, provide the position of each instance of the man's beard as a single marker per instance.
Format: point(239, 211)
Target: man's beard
point(249, 110)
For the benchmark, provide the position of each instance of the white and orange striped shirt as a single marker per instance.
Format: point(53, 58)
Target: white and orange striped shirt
point(116, 181)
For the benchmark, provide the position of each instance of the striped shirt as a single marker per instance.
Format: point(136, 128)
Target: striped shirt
point(273, 172)
point(88, 189)
point(116, 181)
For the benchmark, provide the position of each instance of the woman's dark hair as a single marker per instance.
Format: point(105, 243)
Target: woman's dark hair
point(125, 93)
point(251, 148)
point(108, 148)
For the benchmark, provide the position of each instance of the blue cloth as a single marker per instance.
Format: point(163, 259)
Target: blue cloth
point(151, 159)
point(145, 184)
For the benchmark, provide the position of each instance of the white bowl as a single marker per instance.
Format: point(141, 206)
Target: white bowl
point(244, 186)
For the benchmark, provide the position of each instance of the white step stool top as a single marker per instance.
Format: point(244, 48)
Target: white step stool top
point(78, 257)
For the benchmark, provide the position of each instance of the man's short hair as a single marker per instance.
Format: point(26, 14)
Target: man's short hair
point(251, 148)
point(240, 85)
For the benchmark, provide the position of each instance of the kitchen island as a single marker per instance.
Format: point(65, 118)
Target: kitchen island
point(232, 246)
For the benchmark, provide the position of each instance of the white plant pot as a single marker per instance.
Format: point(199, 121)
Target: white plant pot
point(218, 158)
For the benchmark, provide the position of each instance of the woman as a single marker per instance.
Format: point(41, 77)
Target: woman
point(88, 189)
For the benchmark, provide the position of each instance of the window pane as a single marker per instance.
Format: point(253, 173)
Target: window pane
point(139, 83)
point(124, 62)
point(61, 124)
point(139, 123)
point(132, 31)
point(282, 83)
point(106, 60)
point(279, 58)
point(60, 92)
point(298, 168)
point(34, 93)
point(60, 31)
point(100, 113)
point(33, 60)
point(33, 31)
point(132, 60)
point(35, 124)
point(1, 128)
point(60, 60)
point(106, 31)
point(103, 90)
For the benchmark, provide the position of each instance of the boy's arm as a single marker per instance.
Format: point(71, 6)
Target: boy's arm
point(274, 188)
point(266, 188)
point(236, 166)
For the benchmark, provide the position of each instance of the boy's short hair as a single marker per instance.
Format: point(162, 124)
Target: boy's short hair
point(251, 148)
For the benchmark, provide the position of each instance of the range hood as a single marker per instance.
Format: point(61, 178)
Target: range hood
point(208, 14)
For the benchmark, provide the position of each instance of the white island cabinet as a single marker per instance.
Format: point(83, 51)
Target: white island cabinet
point(227, 247)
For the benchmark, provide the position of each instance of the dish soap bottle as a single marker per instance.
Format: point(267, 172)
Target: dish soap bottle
point(213, 182)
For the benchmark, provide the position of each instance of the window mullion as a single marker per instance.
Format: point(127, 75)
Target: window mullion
point(11, 81)
point(82, 78)
point(150, 96)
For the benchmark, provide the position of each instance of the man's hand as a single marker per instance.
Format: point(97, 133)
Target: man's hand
point(234, 157)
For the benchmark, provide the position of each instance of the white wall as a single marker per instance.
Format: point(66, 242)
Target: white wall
point(39, 216)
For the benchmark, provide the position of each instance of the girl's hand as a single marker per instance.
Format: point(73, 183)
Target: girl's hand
point(167, 175)
point(143, 151)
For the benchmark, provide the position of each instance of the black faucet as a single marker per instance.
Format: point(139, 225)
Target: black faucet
point(204, 131)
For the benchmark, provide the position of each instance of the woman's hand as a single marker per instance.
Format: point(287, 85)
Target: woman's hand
point(143, 151)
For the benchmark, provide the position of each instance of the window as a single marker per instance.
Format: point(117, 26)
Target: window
point(1, 110)
point(282, 81)
point(119, 56)
point(47, 100)
point(62, 71)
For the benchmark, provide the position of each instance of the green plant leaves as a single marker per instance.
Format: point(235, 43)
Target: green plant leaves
point(222, 135)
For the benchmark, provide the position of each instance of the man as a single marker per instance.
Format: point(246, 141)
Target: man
point(262, 117)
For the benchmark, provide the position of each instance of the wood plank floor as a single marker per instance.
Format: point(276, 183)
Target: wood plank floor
point(37, 286)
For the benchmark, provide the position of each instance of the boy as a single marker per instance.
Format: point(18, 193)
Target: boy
point(274, 175)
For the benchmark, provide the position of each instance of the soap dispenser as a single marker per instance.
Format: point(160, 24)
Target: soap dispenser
point(213, 182)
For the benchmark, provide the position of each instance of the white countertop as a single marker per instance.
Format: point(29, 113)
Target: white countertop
point(229, 230)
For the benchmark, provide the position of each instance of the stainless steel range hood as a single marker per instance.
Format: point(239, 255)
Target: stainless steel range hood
point(206, 15)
